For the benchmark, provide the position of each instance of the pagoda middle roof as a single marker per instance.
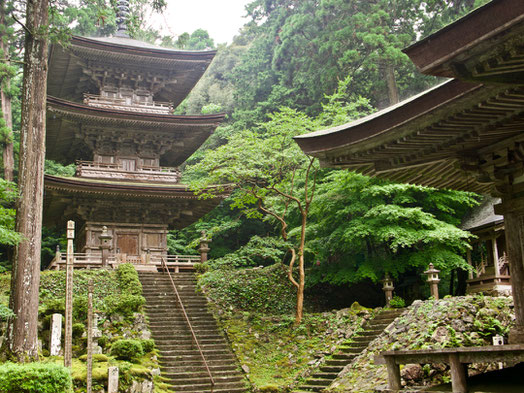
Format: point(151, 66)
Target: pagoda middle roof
point(65, 119)
point(61, 193)
point(68, 79)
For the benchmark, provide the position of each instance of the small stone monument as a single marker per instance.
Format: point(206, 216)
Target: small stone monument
point(56, 335)
point(112, 380)
point(387, 287)
point(204, 247)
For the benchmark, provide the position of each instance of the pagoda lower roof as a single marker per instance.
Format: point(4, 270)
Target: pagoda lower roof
point(62, 194)
point(66, 142)
point(67, 76)
point(486, 45)
point(441, 138)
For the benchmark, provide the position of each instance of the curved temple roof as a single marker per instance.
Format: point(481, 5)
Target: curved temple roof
point(66, 139)
point(69, 77)
point(180, 205)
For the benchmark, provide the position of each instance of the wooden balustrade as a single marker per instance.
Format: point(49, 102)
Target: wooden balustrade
point(127, 104)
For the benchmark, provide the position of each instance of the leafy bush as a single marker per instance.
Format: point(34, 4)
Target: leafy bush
point(397, 302)
point(127, 349)
point(5, 313)
point(148, 345)
point(78, 329)
point(260, 289)
point(128, 279)
point(124, 304)
point(34, 378)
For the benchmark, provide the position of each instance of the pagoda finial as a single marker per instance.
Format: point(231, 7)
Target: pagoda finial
point(121, 18)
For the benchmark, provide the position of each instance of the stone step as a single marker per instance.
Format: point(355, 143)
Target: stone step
point(325, 375)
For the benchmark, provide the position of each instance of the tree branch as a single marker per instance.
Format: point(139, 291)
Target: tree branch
point(290, 271)
point(21, 24)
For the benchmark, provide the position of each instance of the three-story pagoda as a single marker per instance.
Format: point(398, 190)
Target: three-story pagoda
point(110, 103)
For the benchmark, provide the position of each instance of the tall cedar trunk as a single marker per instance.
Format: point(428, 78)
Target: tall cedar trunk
point(26, 265)
point(8, 156)
point(392, 84)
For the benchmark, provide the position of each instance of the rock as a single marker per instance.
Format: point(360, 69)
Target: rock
point(155, 372)
point(412, 372)
point(146, 335)
point(441, 334)
point(245, 368)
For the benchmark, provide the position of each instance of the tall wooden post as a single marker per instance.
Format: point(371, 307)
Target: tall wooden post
point(90, 337)
point(68, 339)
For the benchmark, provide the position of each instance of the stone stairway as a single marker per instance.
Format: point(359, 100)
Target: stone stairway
point(180, 360)
point(347, 352)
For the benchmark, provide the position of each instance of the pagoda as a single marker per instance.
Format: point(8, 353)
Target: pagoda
point(109, 109)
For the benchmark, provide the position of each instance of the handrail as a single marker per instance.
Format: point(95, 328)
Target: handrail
point(188, 322)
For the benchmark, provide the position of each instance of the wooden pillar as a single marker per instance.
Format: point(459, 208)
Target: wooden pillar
point(90, 337)
point(393, 373)
point(495, 255)
point(514, 230)
point(68, 339)
point(458, 374)
point(470, 262)
point(105, 246)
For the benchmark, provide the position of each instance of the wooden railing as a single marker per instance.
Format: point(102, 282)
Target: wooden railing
point(166, 270)
point(93, 169)
point(94, 261)
point(127, 104)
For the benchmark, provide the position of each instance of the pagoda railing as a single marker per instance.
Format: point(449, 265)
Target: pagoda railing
point(94, 261)
point(127, 104)
point(99, 170)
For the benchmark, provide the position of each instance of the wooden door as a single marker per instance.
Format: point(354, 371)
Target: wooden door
point(128, 165)
point(127, 243)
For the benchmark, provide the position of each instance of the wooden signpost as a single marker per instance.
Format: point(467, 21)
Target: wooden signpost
point(68, 339)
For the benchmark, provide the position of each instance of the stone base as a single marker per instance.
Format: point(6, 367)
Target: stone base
point(516, 335)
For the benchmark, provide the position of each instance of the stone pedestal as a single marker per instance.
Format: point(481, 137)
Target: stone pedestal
point(56, 335)
point(105, 245)
point(112, 380)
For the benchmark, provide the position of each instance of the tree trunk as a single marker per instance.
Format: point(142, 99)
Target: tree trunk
point(392, 84)
point(8, 156)
point(26, 265)
point(302, 276)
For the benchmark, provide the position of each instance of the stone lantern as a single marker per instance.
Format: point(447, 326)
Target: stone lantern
point(105, 245)
point(433, 280)
point(204, 247)
point(387, 287)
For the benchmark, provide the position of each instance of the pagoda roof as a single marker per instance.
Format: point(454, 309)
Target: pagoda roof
point(65, 144)
point(486, 45)
point(436, 138)
point(64, 193)
point(67, 76)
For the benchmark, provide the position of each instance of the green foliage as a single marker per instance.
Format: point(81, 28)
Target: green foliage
point(127, 349)
point(397, 302)
point(258, 251)
point(78, 329)
point(5, 313)
point(124, 304)
point(265, 290)
point(56, 169)
point(128, 279)
point(361, 227)
point(34, 378)
point(148, 345)
point(8, 195)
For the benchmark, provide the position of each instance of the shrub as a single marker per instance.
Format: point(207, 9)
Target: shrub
point(128, 279)
point(5, 313)
point(148, 345)
point(397, 302)
point(78, 329)
point(124, 304)
point(34, 378)
point(127, 349)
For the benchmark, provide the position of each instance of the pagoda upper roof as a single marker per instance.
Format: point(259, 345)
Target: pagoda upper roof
point(64, 142)
point(68, 66)
point(66, 193)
